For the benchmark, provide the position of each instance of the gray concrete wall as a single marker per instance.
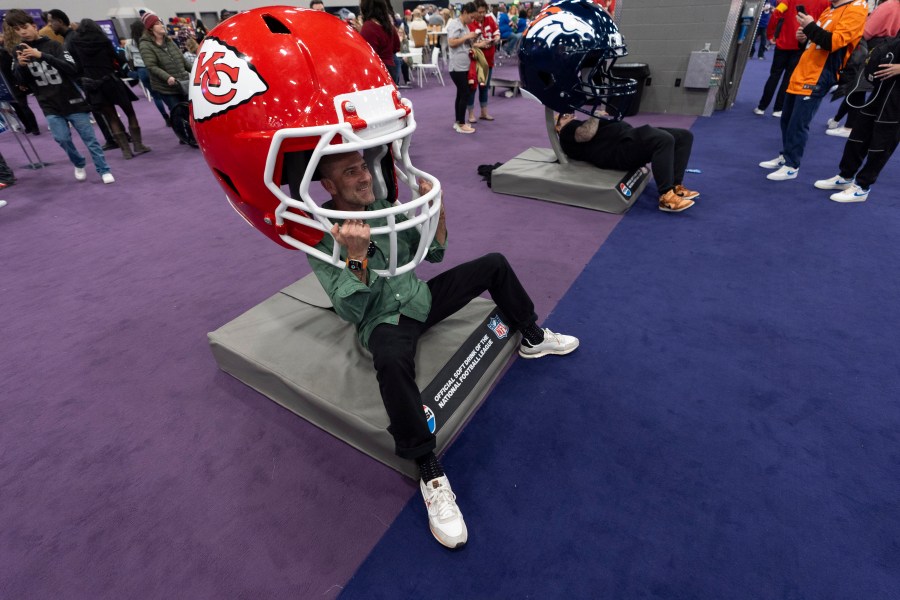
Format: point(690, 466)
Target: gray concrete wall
point(662, 34)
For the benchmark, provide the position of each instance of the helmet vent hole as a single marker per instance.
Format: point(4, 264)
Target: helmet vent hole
point(227, 180)
point(546, 78)
point(274, 25)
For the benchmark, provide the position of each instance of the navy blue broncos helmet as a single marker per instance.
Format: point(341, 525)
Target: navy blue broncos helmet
point(566, 60)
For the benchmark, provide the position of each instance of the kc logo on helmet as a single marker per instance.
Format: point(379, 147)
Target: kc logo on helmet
point(221, 80)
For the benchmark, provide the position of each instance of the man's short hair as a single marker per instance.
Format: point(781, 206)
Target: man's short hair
point(315, 3)
point(468, 7)
point(17, 17)
point(481, 4)
point(60, 16)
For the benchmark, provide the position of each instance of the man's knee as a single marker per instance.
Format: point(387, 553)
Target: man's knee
point(658, 139)
point(495, 262)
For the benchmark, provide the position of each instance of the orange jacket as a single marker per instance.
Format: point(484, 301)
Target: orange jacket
point(844, 27)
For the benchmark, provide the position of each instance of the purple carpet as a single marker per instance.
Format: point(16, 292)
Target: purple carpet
point(130, 466)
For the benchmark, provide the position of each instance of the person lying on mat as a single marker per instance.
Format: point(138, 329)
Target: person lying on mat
point(391, 313)
point(617, 145)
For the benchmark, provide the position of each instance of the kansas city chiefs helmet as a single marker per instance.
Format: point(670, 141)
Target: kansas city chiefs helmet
point(275, 89)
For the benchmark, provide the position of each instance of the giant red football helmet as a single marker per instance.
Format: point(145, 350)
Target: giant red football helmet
point(275, 89)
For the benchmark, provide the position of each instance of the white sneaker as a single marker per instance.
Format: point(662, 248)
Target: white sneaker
point(2, 203)
point(554, 343)
point(758, 111)
point(444, 517)
point(783, 174)
point(839, 132)
point(108, 178)
point(835, 183)
point(854, 193)
point(774, 163)
point(777, 114)
point(832, 124)
point(80, 175)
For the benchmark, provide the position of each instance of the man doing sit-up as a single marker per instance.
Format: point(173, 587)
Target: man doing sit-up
point(617, 145)
point(391, 313)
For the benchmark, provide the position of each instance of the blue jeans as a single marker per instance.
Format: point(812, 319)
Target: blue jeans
point(482, 93)
point(144, 75)
point(172, 100)
point(59, 127)
point(796, 115)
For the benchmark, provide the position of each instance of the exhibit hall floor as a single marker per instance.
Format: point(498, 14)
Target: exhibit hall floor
point(725, 430)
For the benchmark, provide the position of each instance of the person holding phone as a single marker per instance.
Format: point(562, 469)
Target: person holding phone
point(49, 71)
point(828, 44)
point(782, 32)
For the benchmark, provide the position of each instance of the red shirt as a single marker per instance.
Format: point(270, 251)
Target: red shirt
point(787, 37)
point(489, 31)
point(385, 46)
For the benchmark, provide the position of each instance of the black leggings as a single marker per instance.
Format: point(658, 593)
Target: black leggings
point(393, 347)
point(461, 81)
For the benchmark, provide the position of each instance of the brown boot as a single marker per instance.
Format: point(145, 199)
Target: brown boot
point(672, 202)
point(139, 147)
point(123, 145)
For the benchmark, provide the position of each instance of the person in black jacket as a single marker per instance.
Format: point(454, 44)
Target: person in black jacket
point(609, 144)
point(876, 130)
point(61, 26)
point(96, 59)
point(49, 71)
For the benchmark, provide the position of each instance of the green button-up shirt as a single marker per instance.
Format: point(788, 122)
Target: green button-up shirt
point(385, 298)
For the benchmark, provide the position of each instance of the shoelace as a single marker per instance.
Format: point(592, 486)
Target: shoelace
point(444, 502)
point(556, 337)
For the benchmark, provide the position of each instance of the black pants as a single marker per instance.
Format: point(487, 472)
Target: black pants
point(6, 174)
point(461, 81)
point(761, 38)
point(667, 149)
point(856, 99)
point(874, 137)
point(393, 347)
point(783, 64)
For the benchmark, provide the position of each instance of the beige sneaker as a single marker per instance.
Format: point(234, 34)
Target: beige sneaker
point(672, 202)
point(444, 517)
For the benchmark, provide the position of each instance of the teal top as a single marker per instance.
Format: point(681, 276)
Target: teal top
point(385, 298)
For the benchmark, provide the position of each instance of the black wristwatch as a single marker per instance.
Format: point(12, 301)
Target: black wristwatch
point(357, 265)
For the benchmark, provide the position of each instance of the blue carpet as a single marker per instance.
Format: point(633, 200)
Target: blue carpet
point(728, 428)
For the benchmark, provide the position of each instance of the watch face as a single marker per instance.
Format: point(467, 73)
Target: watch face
point(354, 265)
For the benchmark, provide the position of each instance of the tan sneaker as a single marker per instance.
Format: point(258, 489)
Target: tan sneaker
point(686, 193)
point(672, 202)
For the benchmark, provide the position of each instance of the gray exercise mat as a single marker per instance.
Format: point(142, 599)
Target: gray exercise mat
point(536, 173)
point(300, 354)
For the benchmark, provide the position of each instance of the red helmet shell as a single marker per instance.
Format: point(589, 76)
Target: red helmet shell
point(270, 69)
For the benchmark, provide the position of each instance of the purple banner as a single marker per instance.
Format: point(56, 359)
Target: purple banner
point(110, 30)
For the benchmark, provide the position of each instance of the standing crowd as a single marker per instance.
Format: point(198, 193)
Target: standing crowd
point(78, 77)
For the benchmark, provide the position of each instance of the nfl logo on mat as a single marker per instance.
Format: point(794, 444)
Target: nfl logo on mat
point(498, 327)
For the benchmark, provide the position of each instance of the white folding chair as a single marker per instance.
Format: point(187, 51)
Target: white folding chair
point(422, 67)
